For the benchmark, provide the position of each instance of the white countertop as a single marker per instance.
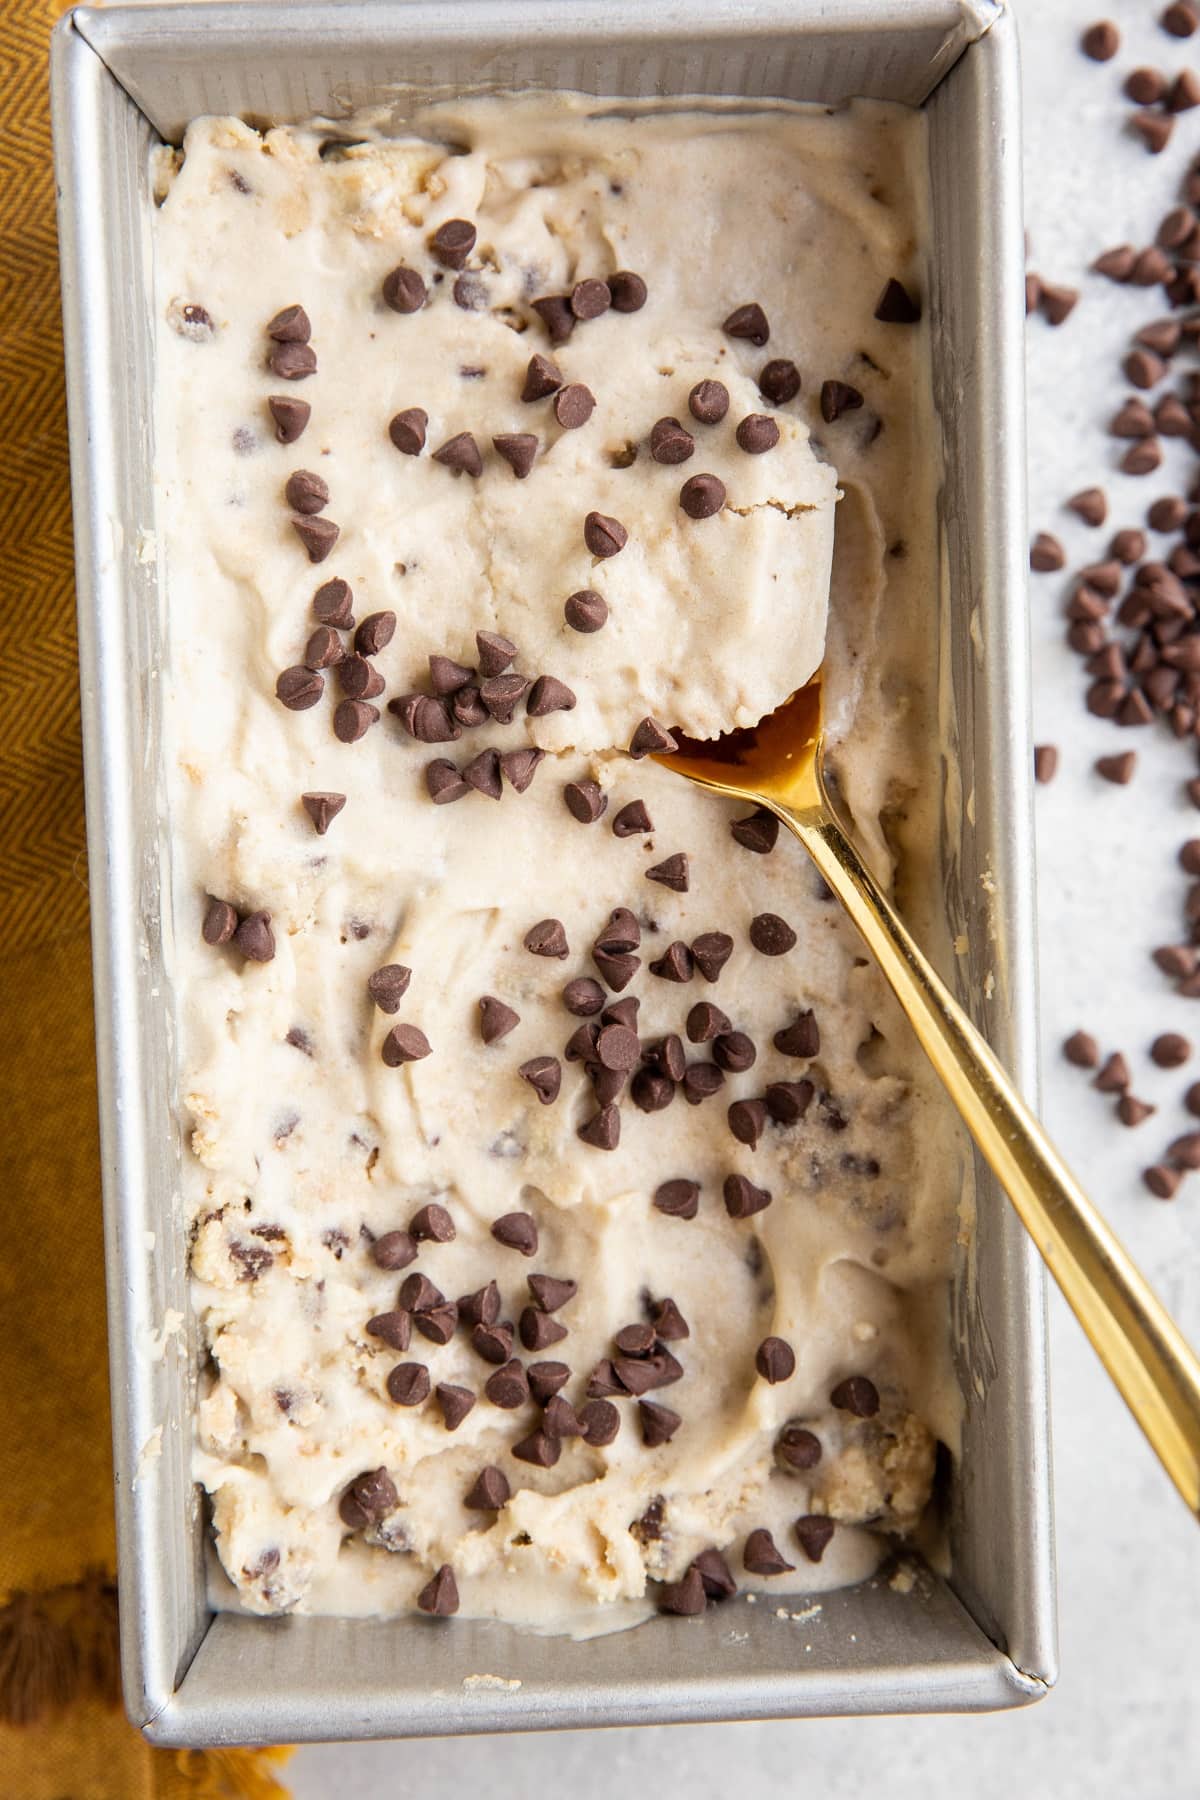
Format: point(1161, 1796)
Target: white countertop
point(1124, 1715)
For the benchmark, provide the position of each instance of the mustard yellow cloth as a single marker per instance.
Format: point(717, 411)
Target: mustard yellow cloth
point(63, 1735)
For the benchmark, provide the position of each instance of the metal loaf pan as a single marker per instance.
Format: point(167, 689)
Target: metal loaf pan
point(124, 77)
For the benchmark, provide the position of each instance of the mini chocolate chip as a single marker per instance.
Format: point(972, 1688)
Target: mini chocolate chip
point(671, 873)
point(508, 1387)
point(290, 416)
point(749, 321)
point(702, 496)
point(756, 434)
point(838, 397)
point(651, 739)
point(583, 997)
point(685, 1598)
point(254, 937)
point(483, 774)
point(554, 310)
point(590, 298)
point(539, 1448)
point(518, 450)
point(544, 1075)
point(748, 1121)
point(220, 922)
point(1114, 1076)
point(299, 688)
point(394, 1250)
point(1131, 1111)
point(481, 1307)
point(453, 242)
point(742, 1198)
point(856, 1394)
point(574, 405)
point(547, 938)
point(433, 1222)
point(1185, 1151)
point(603, 1130)
point(627, 290)
point(460, 453)
point(604, 536)
point(675, 963)
point(492, 1341)
point(1101, 41)
point(1117, 769)
point(896, 305)
point(679, 1199)
point(439, 1596)
point(548, 695)
point(542, 378)
point(775, 1360)
point(1162, 1181)
point(404, 1044)
point(489, 1491)
point(517, 1231)
point(771, 935)
point(599, 1423)
point(317, 535)
point(545, 1379)
point(659, 1424)
point(538, 1330)
point(443, 782)
point(801, 1038)
point(290, 326)
point(392, 1328)
point(711, 951)
point(1090, 504)
point(788, 1101)
point(352, 719)
point(306, 492)
point(670, 442)
point(408, 1384)
point(292, 362)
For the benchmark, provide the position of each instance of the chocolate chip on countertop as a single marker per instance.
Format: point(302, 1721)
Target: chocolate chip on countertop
point(1170, 1050)
point(813, 1532)
point(705, 1022)
point(439, 1596)
point(1185, 1151)
point(489, 1491)
point(1082, 1050)
point(702, 496)
point(618, 1048)
point(404, 1044)
point(509, 1386)
point(461, 454)
point(1180, 19)
point(292, 361)
point(1118, 769)
point(500, 694)
point(254, 937)
point(1114, 1076)
point(1132, 1111)
point(394, 1250)
point(392, 1328)
point(711, 951)
point(333, 604)
point(771, 935)
point(290, 416)
point(775, 1360)
point(554, 310)
point(545, 1379)
point(599, 1423)
point(407, 430)
point(1090, 504)
point(628, 291)
point(453, 242)
point(299, 688)
point(517, 1231)
point(306, 492)
point(317, 535)
point(549, 695)
point(352, 719)
point(290, 326)
point(1046, 553)
point(603, 1130)
point(708, 401)
point(1101, 41)
point(437, 1323)
point(375, 633)
point(495, 1019)
point(734, 1052)
point(356, 677)
point(324, 648)
point(574, 405)
point(604, 536)
point(1162, 1181)
point(547, 938)
point(492, 1340)
point(670, 442)
point(544, 1075)
point(748, 321)
point(538, 1330)
point(856, 1394)
point(635, 1340)
point(742, 1198)
point(896, 306)
point(481, 1307)
point(1154, 129)
point(520, 766)
point(408, 1384)
point(671, 873)
point(586, 611)
point(757, 433)
point(220, 922)
point(1057, 303)
point(539, 1448)
point(650, 1091)
point(651, 738)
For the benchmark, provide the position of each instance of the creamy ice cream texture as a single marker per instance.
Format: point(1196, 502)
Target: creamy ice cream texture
point(760, 1062)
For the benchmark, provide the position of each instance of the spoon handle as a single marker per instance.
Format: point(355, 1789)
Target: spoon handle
point(1155, 1370)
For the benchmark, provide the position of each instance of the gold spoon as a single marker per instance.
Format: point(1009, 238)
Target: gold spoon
point(777, 764)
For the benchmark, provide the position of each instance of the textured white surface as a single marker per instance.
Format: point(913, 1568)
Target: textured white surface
point(1123, 1715)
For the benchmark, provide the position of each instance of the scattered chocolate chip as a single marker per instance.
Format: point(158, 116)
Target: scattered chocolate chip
point(549, 695)
point(404, 1044)
point(547, 938)
point(518, 450)
point(290, 326)
point(701, 1080)
point(554, 310)
point(1045, 763)
point(668, 1054)
point(254, 937)
point(618, 1048)
point(1090, 504)
point(1131, 1111)
point(489, 1491)
point(453, 242)
point(323, 649)
point(439, 1596)
point(1117, 769)
point(685, 1598)
point(432, 1222)
point(460, 453)
point(1046, 554)
point(443, 782)
point(356, 677)
point(583, 997)
point(392, 1328)
point(705, 1022)
point(590, 298)
point(651, 1092)
point(801, 1038)
point(651, 739)
point(306, 492)
point(470, 293)
point(1101, 41)
point(437, 1323)
point(407, 430)
point(708, 401)
point(711, 951)
point(896, 305)
point(352, 719)
point(749, 321)
point(675, 963)
point(702, 496)
point(544, 1075)
point(481, 1307)
point(539, 1448)
point(408, 1384)
point(290, 416)
point(788, 1101)
point(604, 1381)
point(495, 653)
point(375, 633)
point(1162, 1181)
point(670, 442)
point(813, 1533)
point(1185, 1151)
point(369, 1498)
point(604, 536)
point(517, 1231)
point(1082, 1050)
point(404, 290)
point(508, 1387)
point(500, 694)
point(1170, 1050)
point(659, 1425)
point(292, 362)
point(1185, 92)
point(573, 407)
point(492, 1340)
point(317, 535)
point(857, 1395)
point(742, 1198)
point(520, 766)
point(775, 1361)
point(1154, 129)
point(1057, 303)
point(734, 1052)
point(538, 1330)
point(779, 382)
point(299, 688)
point(798, 1448)
point(599, 1423)
point(220, 922)
point(762, 1556)
point(546, 1378)
point(394, 1250)
point(747, 1121)
point(1114, 1076)
point(671, 873)
point(771, 935)
point(627, 290)
point(1180, 19)
point(679, 1199)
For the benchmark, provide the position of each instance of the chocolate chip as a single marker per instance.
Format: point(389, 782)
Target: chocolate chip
point(1090, 504)
point(352, 719)
point(701, 496)
point(668, 1054)
point(392, 1328)
point(520, 766)
point(708, 401)
point(670, 442)
point(1143, 457)
point(742, 1198)
point(443, 782)
point(508, 1387)
point(734, 1052)
point(1162, 1181)
point(635, 1340)
point(517, 1231)
point(659, 1424)
point(220, 922)
point(788, 1101)
point(896, 305)
point(627, 291)
point(573, 407)
point(290, 326)
point(437, 1323)
point(394, 1250)
point(798, 1448)
point(1185, 1151)
point(749, 321)
point(492, 1340)
point(748, 1121)
point(254, 937)
point(813, 1533)
point(857, 1395)
point(539, 1448)
point(483, 774)
point(544, 1075)
point(433, 1222)
point(375, 633)
point(481, 1307)
point(407, 430)
point(590, 298)
point(701, 1081)
point(651, 739)
point(1184, 94)
point(775, 1361)
point(1114, 1076)
point(306, 492)
point(632, 819)
point(547, 938)
point(581, 1045)
point(549, 695)
point(779, 382)
point(500, 694)
point(495, 1019)
point(356, 678)
point(1082, 1050)
point(542, 378)
point(518, 450)
point(554, 310)
point(404, 1043)
point(755, 434)
point(771, 935)
point(837, 398)
point(489, 1491)
point(1101, 41)
point(675, 963)
point(299, 688)
point(671, 873)
point(408, 1384)
point(685, 1598)
point(583, 997)
point(603, 1130)
point(1117, 769)
point(759, 832)
point(538, 1330)
point(290, 416)
point(545, 1379)
point(618, 1047)
point(705, 1022)
point(324, 648)
point(1154, 129)
point(317, 535)
point(711, 951)
point(369, 1498)
point(404, 290)
point(470, 292)
point(292, 362)
point(1131, 1111)
point(1170, 1050)
point(1176, 960)
point(1180, 19)
point(801, 1038)
point(604, 536)
point(651, 1092)
point(453, 242)
point(439, 1596)
point(460, 453)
